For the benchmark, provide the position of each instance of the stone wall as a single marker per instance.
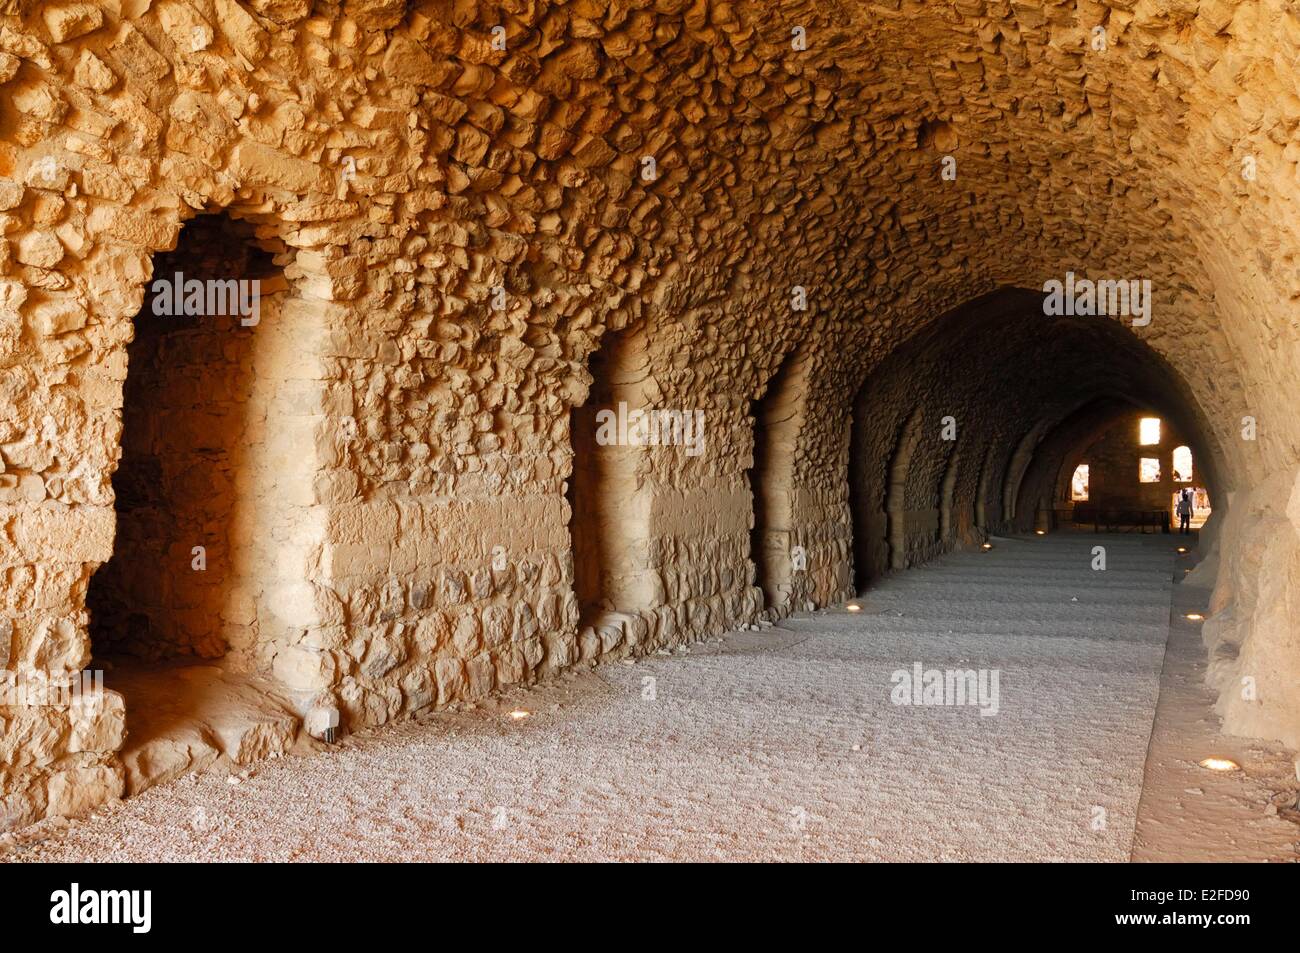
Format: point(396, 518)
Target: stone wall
point(460, 227)
point(1113, 472)
point(945, 396)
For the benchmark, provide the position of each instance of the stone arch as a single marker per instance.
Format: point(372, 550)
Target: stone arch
point(220, 501)
point(823, 496)
point(947, 489)
point(863, 504)
point(1016, 467)
point(1048, 476)
point(896, 489)
point(778, 417)
point(614, 577)
point(982, 493)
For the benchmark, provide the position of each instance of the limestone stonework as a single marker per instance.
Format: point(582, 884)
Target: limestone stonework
point(476, 225)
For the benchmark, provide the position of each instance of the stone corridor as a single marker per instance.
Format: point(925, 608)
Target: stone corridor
point(366, 360)
point(781, 743)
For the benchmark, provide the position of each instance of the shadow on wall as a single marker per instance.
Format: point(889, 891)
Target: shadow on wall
point(185, 559)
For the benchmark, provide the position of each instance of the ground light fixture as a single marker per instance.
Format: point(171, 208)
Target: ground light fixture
point(520, 714)
point(1182, 549)
point(986, 547)
point(1040, 532)
point(1220, 764)
point(853, 607)
point(1194, 616)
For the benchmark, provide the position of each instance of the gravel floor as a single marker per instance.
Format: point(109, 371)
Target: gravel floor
point(779, 744)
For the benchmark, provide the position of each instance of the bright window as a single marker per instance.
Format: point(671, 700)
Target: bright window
point(1149, 431)
point(1182, 464)
point(1079, 483)
point(1149, 470)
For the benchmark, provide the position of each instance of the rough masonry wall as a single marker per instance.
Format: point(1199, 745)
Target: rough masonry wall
point(462, 225)
point(1113, 468)
point(947, 394)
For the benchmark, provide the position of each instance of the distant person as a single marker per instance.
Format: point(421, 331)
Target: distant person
point(1184, 510)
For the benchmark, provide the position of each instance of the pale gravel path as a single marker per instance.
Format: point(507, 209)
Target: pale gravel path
point(744, 735)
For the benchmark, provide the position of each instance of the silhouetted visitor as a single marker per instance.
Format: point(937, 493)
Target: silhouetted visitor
point(1184, 510)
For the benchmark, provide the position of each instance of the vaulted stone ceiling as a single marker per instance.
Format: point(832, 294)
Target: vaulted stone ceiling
point(468, 201)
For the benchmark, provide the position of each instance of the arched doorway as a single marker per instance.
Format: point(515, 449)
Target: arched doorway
point(179, 614)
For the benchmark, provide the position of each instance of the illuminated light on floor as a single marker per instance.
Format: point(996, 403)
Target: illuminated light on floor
point(519, 714)
point(1182, 549)
point(1041, 532)
point(1220, 764)
point(1195, 616)
point(853, 607)
point(986, 547)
